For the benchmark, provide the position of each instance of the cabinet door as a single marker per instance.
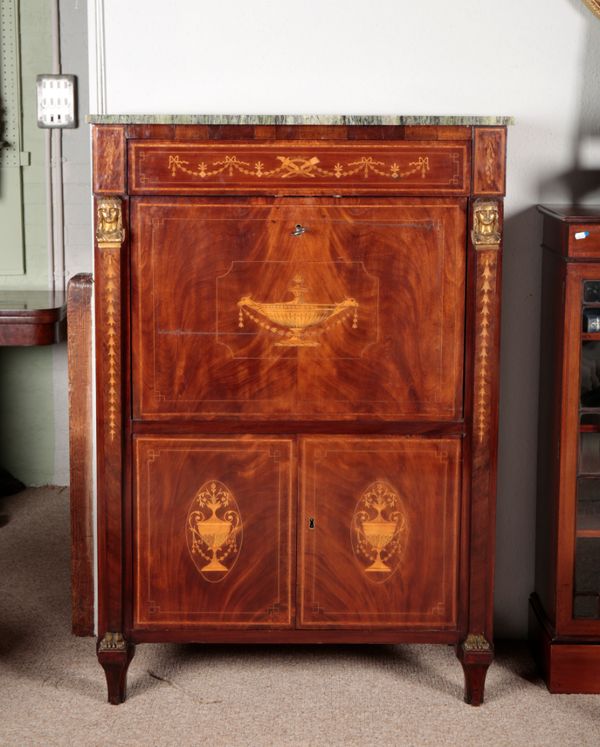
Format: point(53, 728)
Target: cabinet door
point(578, 552)
point(212, 532)
point(379, 532)
point(298, 308)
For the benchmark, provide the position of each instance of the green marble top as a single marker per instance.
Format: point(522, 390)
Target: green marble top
point(294, 119)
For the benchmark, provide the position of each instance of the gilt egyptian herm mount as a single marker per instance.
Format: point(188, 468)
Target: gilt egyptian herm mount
point(297, 327)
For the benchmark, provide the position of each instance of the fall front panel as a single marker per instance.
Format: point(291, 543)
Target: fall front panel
point(299, 308)
point(379, 528)
point(213, 530)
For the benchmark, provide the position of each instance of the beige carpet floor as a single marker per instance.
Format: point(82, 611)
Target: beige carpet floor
point(52, 689)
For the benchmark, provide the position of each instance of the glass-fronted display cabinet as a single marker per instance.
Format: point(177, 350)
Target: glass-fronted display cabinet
point(565, 606)
point(586, 574)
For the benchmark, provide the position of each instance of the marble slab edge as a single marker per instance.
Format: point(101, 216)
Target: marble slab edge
point(294, 119)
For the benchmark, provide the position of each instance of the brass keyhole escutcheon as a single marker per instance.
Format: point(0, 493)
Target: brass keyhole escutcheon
point(311, 523)
point(298, 230)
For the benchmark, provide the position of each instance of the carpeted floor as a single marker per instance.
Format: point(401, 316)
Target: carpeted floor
point(53, 692)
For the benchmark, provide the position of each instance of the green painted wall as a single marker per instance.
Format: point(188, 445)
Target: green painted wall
point(26, 374)
point(27, 407)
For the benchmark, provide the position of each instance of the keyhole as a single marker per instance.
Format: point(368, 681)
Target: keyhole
point(311, 523)
point(298, 230)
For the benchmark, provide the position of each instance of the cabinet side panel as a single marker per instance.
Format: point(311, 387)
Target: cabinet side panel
point(555, 236)
point(551, 340)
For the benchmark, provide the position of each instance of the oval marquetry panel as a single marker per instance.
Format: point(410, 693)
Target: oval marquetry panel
point(378, 530)
point(214, 531)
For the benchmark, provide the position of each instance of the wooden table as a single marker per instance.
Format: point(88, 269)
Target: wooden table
point(32, 317)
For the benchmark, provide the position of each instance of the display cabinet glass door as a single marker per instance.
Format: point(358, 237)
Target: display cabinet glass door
point(586, 562)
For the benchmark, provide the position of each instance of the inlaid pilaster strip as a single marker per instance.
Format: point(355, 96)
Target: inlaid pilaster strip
point(486, 282)
point(110, 236)
point(486, 242)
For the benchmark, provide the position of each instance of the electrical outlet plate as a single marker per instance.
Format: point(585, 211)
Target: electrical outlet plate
point(56, 101)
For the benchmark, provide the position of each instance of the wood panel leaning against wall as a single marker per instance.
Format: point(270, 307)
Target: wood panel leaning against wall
point(81, 455)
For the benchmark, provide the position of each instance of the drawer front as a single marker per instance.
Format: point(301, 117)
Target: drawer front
point(584, 240)
point(212, 532)
point(299, 168)
point(298, 308)
point(379, 528)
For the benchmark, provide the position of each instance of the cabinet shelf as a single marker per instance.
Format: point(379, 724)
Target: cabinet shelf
point(588, 533)
point(588, 525)
point(590, 336)
point(588, 519)
point(587, 410)
point(589, 428)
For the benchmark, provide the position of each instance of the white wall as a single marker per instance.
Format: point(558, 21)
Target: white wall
point(76, 209)
point(534, 60)
point(76, 143)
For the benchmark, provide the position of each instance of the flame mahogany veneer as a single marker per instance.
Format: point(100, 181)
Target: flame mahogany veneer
point(297, 356)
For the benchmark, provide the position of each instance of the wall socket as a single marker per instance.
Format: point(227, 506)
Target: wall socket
point(56, 101)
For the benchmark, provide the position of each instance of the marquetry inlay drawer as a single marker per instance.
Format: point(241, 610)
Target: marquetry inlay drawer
point(584, 240)
point(299, 168)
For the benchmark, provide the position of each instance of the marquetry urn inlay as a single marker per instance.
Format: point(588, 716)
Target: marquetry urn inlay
point(214, 531)
point(379, 528)
point(292, 323)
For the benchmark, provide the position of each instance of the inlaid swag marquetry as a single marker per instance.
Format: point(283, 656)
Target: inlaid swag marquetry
point(315, 168)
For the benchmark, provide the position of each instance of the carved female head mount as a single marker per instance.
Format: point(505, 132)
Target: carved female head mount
point(109, 227)
point(486, 222)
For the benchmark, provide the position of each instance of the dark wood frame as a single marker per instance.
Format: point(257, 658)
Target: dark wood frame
point(478, 426)
point(567, 649)
point(81, 453)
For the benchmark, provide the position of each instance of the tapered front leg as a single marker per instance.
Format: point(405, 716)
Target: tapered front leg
point(475, 654)
point(115, 654)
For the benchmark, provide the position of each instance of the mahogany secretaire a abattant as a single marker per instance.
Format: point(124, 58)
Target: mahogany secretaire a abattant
point(297, 333)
